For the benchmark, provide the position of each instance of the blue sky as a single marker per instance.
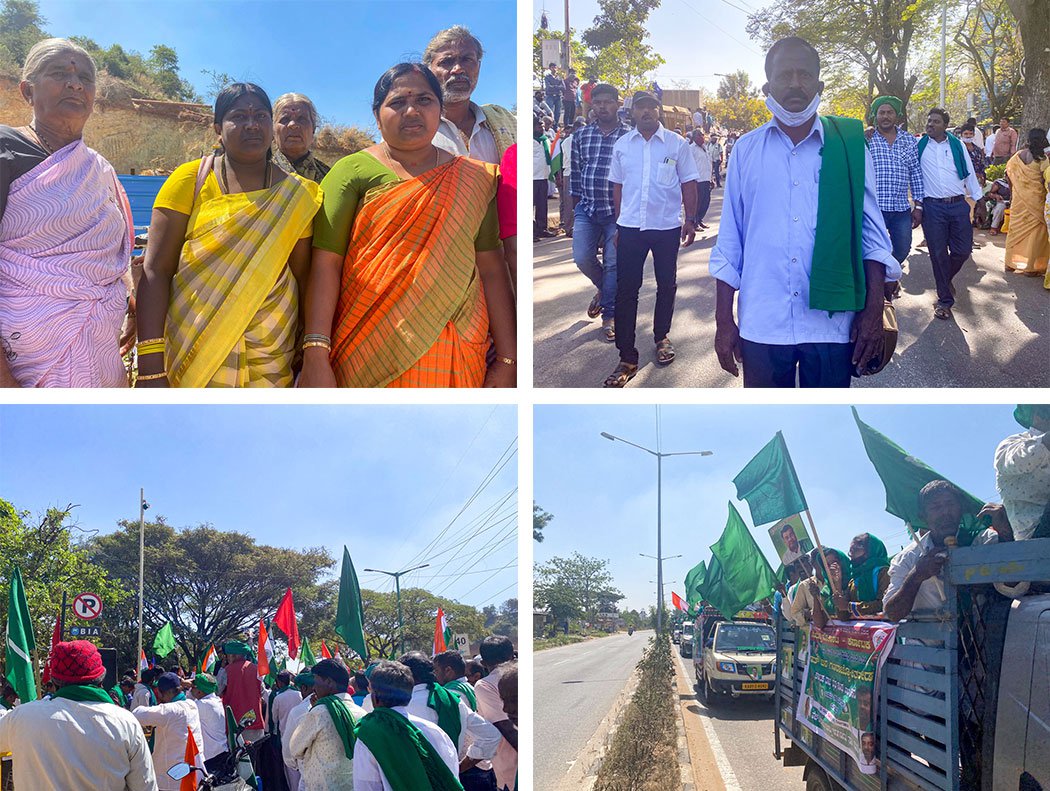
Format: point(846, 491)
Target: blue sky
point(384, 480)
point(331, 50)
point(603, 494)
point(697, 38)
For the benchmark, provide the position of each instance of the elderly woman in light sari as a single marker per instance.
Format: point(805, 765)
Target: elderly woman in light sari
point(228, 257)
point(65, 234)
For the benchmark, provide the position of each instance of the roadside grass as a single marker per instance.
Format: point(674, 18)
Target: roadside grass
point(644, 751)
point(540, 643)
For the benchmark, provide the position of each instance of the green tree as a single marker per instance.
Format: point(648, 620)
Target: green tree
point(740, 112)
point(419, 608)
point(21, 26)
point(618, 40)
point(540, 520)
point(991, 45)
point(574, 587)
point(163, 67)
point(736, 85)
point(1033, 22)
point(582, 61)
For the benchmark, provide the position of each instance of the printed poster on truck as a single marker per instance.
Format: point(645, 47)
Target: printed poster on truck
point(838, 686)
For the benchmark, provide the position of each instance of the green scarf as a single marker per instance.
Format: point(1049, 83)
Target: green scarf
point(465, 691)
point(825, 591)
point(409, 762)
point(447, 707)
point(5, 704)
point(543, 141)
point(344, 722)
point(958, 154)
point(83, 693)
point(180, 696)
point(1024, 414)
point(866, 573)
point(836, 280)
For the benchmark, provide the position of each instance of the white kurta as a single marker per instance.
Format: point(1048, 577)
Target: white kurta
point(171, 721)
point(318, 750)
point(478, 738)
point(368, 776)
point(1022, 476)
point(213, 725)
point(283, 704)
point(140, 696)
point(60, 744)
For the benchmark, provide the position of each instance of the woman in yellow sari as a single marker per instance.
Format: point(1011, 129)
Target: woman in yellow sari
point(228, 254)
point(407, 282)
point(1027, 243)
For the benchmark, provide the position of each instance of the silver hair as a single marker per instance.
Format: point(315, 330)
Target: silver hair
point(450, 36)
point(44, 51)
point(290, 98)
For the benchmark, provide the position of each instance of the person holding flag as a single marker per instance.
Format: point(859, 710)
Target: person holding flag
point(213, 721)
point(175, 723)
point(77, 739)
point(243, 691)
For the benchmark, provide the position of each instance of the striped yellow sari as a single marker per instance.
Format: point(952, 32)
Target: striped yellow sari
point(234, 307)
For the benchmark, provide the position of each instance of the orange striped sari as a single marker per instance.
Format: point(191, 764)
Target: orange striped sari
point(411, 311)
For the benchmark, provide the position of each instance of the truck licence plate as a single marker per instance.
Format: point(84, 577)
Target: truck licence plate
point(754, 685)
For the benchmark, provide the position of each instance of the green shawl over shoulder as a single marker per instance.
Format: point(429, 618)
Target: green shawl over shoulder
point(465, 691)
point(345, 725)
point(836, 280)
point(83, 693)
point(447, 707)
point(958, 154)
point(409, 762)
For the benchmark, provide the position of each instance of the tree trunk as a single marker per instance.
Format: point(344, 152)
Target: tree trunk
point(1033, 20)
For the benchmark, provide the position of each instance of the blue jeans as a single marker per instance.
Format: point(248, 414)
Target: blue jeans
point(898, 223)
point(554, 102)
point(949, 238)
point(587, 233)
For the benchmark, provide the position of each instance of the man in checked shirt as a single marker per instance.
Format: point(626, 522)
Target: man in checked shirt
point(895, 155)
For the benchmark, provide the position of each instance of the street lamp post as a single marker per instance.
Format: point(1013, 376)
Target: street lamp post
point(397, 586)
point(659, 506)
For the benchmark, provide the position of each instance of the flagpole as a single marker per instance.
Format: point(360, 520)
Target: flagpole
point(820, 547)
point(142, 566)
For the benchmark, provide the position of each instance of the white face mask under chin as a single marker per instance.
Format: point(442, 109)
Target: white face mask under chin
point(788, 118)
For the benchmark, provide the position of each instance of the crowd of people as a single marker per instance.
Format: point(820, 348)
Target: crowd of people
point(817, 218)
point(441, 723)
point(264, 265)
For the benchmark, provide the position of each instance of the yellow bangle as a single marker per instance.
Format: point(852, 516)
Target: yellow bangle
point(322, 344)
point(151, 346)
point(151, 377)
point(507, 360)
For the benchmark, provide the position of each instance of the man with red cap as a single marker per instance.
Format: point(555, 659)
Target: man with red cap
point(174, 718)
point(79, 738)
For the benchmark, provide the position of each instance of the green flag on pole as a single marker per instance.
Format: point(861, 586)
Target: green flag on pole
point(745, 570)
point(306, 654)
point(903, 477)
point(20, 641)
point(350, 615)
point(694, 580)
point(718, 594)
point(770, 485)
point(164, 642)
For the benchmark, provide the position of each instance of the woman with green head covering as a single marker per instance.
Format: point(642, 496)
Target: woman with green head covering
point(870, 577)
point(832, 594)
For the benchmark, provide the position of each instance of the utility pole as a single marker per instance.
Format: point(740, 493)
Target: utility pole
point(568, 49)
point(397, 587)
point(944, 48)
point(142, 566)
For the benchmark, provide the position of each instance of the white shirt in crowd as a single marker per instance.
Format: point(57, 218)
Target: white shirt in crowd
point(140, 696)
point(170, 722)
point(481, 145)
point(931, 594)
point(213, 725)
point(1022, 476)
point(703, 161)
point(490, 706)
point(283, 705)
point(294, 717)
point(478, 738)
point(698, 120)
point(318, 750)
point(63, 744)
point(652, 173)
point(566, 158)
point(368, 776)
point(989, 144)
point(939, 177)
point(978, 136)
point(541, 169)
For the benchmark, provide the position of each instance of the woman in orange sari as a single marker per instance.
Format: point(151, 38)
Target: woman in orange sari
point(1027, 244)
point(407, 282)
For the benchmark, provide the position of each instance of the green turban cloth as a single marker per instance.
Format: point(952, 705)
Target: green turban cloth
point(305, 678)
point(892, 101)
point(236, 647)
point(205, 683)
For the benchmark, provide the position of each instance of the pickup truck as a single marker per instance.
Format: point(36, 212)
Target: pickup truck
point(737, 658)
point(964, 695)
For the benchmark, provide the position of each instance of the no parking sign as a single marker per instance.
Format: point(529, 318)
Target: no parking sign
point(87, 606)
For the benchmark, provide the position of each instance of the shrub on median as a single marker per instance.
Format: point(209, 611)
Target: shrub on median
point(644, 751)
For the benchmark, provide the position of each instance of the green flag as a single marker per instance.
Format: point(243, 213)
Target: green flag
point(717, 593)
point(20, 641)
point(745, 569)
point(350, 616)
point(770, 485)
point(164, 642)
point(694, 580)
point(306, 655)
point(903, 476)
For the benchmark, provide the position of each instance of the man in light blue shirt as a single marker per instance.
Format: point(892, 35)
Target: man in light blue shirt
point(767, 239)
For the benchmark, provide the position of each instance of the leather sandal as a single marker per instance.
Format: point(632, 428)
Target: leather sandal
point(664, 352)
point(594, 310)
point(623, 374)
point(942, 312)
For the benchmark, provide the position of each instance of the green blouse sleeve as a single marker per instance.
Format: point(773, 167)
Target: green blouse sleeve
point(344, 187)
point(488, 234)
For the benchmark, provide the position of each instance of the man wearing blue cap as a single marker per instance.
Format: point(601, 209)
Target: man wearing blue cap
point(172, 719)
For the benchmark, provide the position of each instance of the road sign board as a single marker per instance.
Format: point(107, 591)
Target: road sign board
point(81, 632)
point(87, 606)
point(461, 643)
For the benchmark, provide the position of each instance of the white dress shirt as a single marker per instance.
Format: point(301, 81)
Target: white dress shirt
point(540, 169)
point(213, 725)
point(1022, 476)
point(481, 145)
point(652, 173)
point(767, 232)
point(490, 706)
point(930, 595)
point(318, 750)
point(140, 696)
point(478, 738)
point(702, 160)
point(283, 705)
point(61, 744)
point(170, 722)
point(368, 776)
point(939, 178)
point(989, 144)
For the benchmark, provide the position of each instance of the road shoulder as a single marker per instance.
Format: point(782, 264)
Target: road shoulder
point(704, 772)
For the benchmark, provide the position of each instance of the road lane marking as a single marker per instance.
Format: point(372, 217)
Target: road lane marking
point(721, 759)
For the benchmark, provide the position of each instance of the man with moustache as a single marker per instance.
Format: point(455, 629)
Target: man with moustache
point(467, 129)
point(895, 156)
point(802, 240)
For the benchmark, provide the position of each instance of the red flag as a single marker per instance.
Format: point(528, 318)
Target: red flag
point(189, 782)
point(265, 651)
point(56, 638)
point(325, 653)
point(677, 601)
point(285, 621)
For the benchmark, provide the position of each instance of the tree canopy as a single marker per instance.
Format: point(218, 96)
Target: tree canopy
point(618, 39)
point(575, 587)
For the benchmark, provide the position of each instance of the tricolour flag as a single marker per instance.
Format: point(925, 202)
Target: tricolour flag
point(143, 662)
point(676, 600)
point(442, 634)
point(557, 157)
point(189, 782)
point(265, 651)
point(770, 485)
point(325, 653)
point(56, 638)
point(20, 640)
point(209, 661)
point(350, 614)
point(285, 621)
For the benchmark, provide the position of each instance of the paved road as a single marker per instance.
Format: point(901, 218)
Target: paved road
point(744, 735)
point(573, 689)
point(1000, 336)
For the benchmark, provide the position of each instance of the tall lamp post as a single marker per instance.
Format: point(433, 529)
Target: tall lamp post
point(143, 505)
point(660, 456)
point(397, 585)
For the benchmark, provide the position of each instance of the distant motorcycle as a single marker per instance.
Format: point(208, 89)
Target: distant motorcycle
point(630, 631)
